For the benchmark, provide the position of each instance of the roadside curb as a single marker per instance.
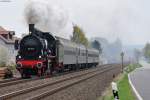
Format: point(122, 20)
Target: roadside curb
point(134, 89)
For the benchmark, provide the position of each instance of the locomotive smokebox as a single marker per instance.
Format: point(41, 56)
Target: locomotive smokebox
point(31, 28)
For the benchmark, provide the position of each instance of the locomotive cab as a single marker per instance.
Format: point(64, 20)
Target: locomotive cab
point(51, 44)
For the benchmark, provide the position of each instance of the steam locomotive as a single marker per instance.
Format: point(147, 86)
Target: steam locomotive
point(41, 53)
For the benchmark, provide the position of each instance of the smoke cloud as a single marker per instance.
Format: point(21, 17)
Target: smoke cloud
point(46, 16)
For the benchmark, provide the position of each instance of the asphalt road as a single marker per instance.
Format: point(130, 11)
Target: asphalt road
point(140, 79)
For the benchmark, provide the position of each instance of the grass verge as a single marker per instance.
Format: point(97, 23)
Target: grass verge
point(124, 88)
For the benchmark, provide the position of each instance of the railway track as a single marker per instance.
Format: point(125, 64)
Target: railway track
point(14, 81)
point(48, 88)
point(9, 80)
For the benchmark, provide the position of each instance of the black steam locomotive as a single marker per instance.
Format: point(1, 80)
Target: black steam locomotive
point(41, 53)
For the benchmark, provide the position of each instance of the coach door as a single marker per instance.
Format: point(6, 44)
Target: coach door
point(86, 57)
point(77, 57)
point(60, 53)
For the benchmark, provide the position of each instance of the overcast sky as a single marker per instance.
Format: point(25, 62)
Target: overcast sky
point(128, 20)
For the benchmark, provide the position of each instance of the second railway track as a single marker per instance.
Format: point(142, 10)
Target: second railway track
point(9, 80)
point(14, 81)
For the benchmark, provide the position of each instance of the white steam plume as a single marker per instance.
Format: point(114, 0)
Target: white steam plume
point(46, 16)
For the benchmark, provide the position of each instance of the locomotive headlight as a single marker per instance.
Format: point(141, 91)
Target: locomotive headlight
point(39, 65)
point(40, 56)
point(19, 65)
point(19, 57)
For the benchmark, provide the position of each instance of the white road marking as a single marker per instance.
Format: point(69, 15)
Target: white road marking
point(134, 89)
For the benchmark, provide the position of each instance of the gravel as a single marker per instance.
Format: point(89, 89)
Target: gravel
point(87, 90)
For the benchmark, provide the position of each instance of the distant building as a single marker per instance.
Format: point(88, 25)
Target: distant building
point(7, 40)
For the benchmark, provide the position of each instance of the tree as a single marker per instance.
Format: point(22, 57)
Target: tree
point(146, 51)
point(3, 56)
point(97, 45)
point(137, 55)
point(79, 36)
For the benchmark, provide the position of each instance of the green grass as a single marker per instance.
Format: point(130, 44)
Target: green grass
point(124, 88)
point(125, 91)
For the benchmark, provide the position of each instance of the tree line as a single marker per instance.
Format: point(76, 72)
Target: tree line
point(79, 37)
point(146, 51)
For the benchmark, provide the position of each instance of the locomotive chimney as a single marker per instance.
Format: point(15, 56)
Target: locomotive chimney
point(31, 28)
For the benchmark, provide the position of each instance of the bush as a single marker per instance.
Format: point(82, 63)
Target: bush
point(12, 67)
point(132, 67)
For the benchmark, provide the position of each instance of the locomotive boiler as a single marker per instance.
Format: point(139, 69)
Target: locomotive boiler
point(41, 53)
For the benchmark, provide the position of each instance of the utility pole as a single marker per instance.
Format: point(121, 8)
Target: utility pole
point(122, 56)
